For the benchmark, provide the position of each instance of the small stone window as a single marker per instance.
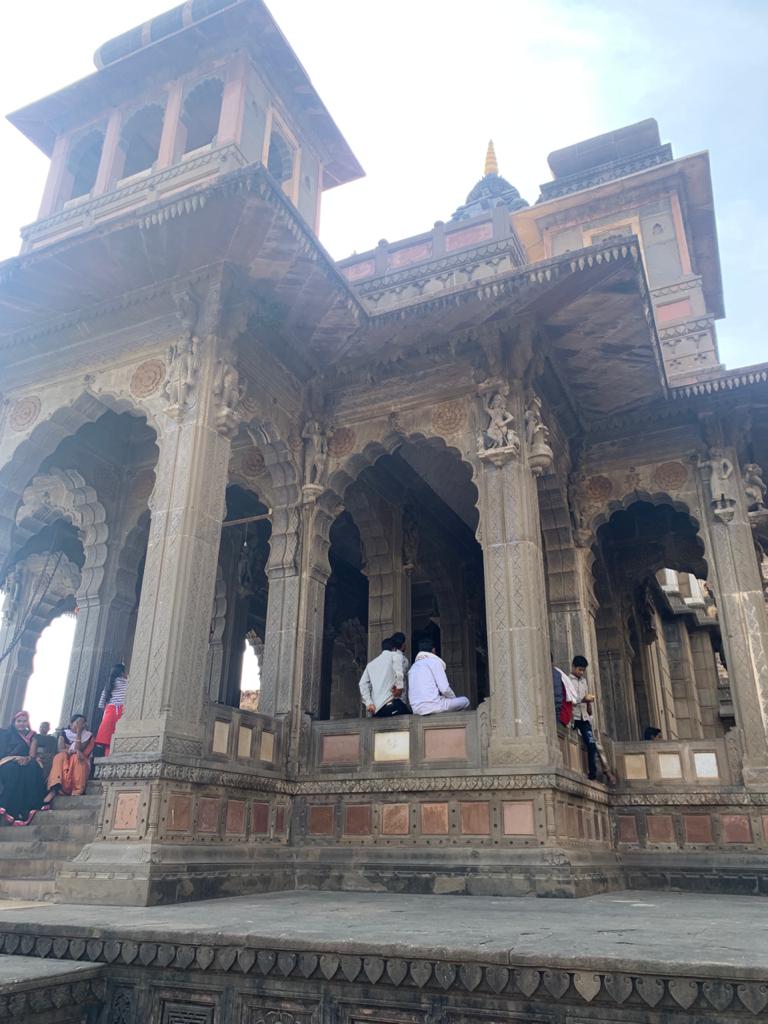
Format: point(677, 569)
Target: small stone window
point(141, 140)
point(200, 116)
point(280, 158)
point(83, 163)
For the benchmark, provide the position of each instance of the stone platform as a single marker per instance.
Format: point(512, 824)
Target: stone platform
point(322, 957)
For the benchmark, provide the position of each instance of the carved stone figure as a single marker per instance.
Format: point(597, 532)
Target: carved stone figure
point(183, 364)
point(722, 483)
point(540, 455)
point(500, 430)
point(315, 453)
point(228, 393)
point(754, 486)
point(410, 538)
point(12, 588)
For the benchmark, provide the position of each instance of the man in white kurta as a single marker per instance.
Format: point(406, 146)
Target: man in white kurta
point(382, 684)
point(429, 691)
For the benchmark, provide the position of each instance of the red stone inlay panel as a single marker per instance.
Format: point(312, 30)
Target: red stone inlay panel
point(518, 818)
point(358, 820)
point(661, 828)
point(126, 811)
point(698, 828)
point(344, 749)
point(236, 816)
point(394, 819)
point(208, 814)
point(627, 828)
point(737, 828)
point(321, 819)
point(445, 744)
point(469, 236)
point(280, 818)
point(475, 818)
point(179, 812)
point(260, 819)
point(434, 819)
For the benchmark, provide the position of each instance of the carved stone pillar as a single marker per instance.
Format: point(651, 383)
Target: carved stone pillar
point(282, 612)
point(741, 606)
point(167, 682)
point(522, 717)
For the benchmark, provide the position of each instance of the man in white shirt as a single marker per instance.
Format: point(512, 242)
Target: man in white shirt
point(382, 685)
point(428, 688)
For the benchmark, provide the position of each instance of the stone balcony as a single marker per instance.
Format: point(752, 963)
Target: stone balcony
point(147, 187)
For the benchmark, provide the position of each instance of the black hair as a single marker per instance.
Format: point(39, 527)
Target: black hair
point(426, 645)
point(580, 662)
point(386, 643)
point(118, 671)
point(77, 714)
point(397, 640)
point(651, 732)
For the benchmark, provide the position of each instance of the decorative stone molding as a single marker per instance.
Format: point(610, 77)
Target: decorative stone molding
point(51, 997)
point(638, 991)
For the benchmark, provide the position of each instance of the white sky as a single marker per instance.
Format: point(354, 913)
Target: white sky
point(418, 88)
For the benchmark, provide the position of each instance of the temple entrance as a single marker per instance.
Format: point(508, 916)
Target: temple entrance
point(657, 628)
point(404, 558)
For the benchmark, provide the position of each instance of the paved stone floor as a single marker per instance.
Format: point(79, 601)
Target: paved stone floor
point(622, 930)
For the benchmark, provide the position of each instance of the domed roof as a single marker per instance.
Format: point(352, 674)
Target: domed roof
point(492, 190)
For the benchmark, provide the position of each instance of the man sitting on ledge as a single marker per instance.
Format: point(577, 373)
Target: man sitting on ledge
point(428, 689)
point(382, 685)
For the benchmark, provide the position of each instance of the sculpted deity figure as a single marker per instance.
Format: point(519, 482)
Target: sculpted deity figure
point(228, 393)
point(410, 538)
point(754, 486)
point(12, 587)
point(315, 452)
point(500, 430)
point(536, 433)
point(183, 364)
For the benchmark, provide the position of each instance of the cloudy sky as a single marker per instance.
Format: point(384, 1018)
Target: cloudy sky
point(419, 86)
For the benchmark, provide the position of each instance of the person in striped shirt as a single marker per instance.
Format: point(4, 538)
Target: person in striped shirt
point(112, 701)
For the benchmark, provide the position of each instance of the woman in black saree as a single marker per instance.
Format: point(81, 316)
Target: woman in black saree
point(22, 782)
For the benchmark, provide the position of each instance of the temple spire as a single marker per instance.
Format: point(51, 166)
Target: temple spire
point(491, 166)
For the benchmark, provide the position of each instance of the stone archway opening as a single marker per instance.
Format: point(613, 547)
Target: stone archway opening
point(405, 558)
point(657, 630)
point(239, 619)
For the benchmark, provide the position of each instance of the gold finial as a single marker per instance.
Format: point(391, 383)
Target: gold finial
point(491, 167)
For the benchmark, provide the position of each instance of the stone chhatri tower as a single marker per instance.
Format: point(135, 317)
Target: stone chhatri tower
point(511, 434)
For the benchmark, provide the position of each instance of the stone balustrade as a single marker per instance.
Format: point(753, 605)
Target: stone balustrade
point(245, 737)
point(673, 763)
point(397, 745)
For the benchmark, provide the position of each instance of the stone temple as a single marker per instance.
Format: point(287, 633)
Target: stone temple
point(511, 434)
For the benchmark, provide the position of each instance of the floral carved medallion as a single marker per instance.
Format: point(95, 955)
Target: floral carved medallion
point(24, 412)
point(670, 476)
point(147, 378)
point(252, 463)
point(599, 488)
point(449, 417)
point(341, 442)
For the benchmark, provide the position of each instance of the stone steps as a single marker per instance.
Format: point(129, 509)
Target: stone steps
point(31, 857)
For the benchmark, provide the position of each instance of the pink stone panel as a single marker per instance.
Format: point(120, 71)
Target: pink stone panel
point(179, 812)
point(126, 812)
point(445, 744)
point(208, 814)
point(737, 828)
point(475, 818)
point(236, 816)
point(765, 828)
point(434, 819)
point(469, 236)
point(673, 311)
point(698, 828)
point(358, 820)
point(627, 828)
point(260, 819)
point(342, 749)
point(280, 818)
point(321, 819)
point(414, 253)
point(394, 819)
point(518, 818)
point(359, 270)
point(661, 828)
